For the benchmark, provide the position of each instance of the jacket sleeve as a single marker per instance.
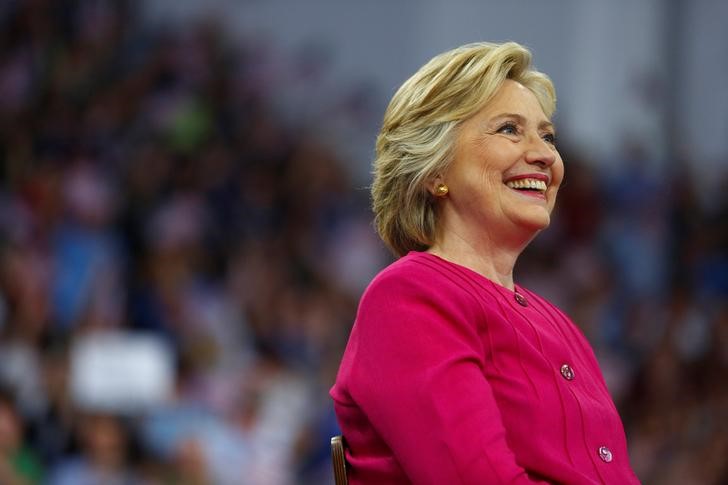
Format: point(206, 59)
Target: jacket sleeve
point(418, 376)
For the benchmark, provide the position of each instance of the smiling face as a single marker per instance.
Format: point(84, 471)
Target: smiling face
point(505, 171)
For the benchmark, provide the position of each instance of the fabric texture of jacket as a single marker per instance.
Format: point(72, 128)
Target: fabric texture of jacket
point(450, 378)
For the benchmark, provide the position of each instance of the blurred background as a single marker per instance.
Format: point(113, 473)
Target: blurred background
point(185, 227)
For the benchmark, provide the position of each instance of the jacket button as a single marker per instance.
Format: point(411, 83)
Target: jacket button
point(605, 454)
point(567, 373)
point(520, 299)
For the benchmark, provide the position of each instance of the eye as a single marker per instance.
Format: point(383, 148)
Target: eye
point(508, 128)
point(549, 138)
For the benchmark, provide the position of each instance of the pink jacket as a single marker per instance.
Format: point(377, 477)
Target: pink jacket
point(449, 378)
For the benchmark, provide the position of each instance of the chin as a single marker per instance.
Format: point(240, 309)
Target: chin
point(536, 221)
point(534, 229)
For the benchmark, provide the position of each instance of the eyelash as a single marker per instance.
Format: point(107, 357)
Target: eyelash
point(547, 137)
point(508, 125)
point(550, 138)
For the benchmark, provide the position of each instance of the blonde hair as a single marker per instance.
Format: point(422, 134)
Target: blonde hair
point(419, 127)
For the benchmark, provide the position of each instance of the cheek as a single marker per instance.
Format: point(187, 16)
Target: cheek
point(559, 170)
point(552, 199)
point(490, 190)
point(478, 179)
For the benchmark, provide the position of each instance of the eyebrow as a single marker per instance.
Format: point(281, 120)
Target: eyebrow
point(543, 124)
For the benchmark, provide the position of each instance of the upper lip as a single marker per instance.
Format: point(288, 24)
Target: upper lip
point(536, 176)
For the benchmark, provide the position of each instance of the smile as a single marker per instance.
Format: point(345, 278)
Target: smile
point(527, 184)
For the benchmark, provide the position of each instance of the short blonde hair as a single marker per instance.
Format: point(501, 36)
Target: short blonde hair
point(418, 131)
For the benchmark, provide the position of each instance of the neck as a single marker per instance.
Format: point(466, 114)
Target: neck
point(494, 259)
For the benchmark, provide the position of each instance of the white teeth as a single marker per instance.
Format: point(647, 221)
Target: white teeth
point(527, 184)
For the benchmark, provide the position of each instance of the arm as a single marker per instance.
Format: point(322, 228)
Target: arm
point(418, 376)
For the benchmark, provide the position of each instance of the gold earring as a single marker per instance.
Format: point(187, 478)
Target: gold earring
point(441, 190)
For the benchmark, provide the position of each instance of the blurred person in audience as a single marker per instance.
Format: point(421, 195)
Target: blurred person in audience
point(19, 464)
point(189, 465)
point(24, 293)
point(51, 431)
point(454, 373)
point(86, 253)
point(104, 457)
point(254, 443)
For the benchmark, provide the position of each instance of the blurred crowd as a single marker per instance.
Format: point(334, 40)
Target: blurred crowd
point(181, 259)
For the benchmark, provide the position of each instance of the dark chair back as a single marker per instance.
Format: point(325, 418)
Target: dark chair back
point(338, 458)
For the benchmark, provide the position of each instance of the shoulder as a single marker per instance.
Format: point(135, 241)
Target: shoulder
point(418, 275)
point(418, 284)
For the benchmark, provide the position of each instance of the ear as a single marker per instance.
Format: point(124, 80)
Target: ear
point(434, 183)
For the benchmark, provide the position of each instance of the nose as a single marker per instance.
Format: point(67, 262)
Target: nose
point(540, 152)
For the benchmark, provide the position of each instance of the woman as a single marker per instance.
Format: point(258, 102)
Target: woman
point(453, 373)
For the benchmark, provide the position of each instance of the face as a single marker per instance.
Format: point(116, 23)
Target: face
point(505, 171)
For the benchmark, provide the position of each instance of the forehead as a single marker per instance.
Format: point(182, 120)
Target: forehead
point(514, 97)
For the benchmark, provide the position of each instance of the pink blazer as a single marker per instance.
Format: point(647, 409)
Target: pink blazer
point(449, 378)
